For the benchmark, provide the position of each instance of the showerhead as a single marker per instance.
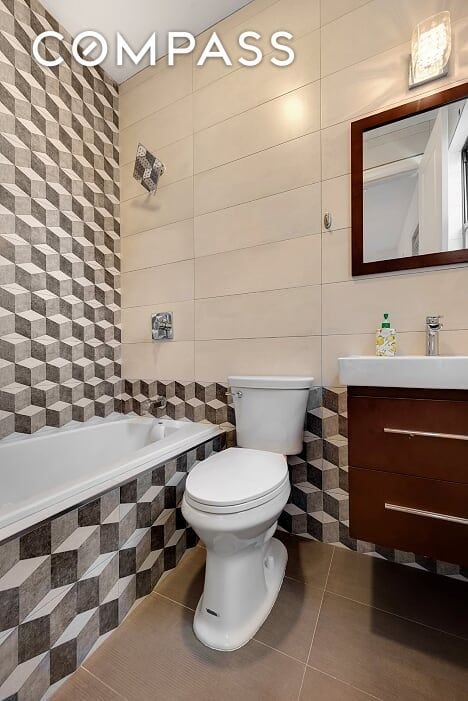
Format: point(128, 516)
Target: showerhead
point(148, 169)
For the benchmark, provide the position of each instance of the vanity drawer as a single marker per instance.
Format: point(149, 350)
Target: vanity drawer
point(424, 437)
point(424, 516)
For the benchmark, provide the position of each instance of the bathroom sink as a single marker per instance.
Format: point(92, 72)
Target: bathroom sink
point(425, 372)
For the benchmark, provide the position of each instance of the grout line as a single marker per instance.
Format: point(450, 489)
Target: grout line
point(156, 593)
point(348, 12)
point(256, 153)
point(103, 683)
point(281, 652)
point(342, 681)
point(221, 253)
point(316, 623)
point(259, 104)
point(396, 615)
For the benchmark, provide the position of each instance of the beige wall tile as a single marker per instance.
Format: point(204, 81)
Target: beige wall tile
point(336, 255)
point(167, 244)
point(179, 159)
point(215, 360)
point(299, 17)
point(278, 313)
point(336, 151)
point(336, 199)
point(283, 216)
point(382, 81)
point(170, 204)
point(357, 306)
point(283, 119)
point(247, 88)
point(136, 321)
point(393, 23)
point(166, 126)
point(159, 361)
point(332, 9)
point(163, 85)
point(173, 282)
point(292, 263)
point(284, 167)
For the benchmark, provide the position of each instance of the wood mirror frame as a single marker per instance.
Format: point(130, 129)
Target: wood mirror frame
point(358, 128)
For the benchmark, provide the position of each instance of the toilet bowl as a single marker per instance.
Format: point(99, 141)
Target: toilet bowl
point(233, 501)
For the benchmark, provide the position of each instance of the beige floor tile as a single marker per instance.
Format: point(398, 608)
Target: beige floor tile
point(184, 584)
point(308, 560)
point(83, 686)
point(401, 590)
point(320, 687)
point(388, 656)
point(290, 626)
point(155, 654)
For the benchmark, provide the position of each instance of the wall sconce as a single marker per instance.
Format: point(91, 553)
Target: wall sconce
point(431, 44)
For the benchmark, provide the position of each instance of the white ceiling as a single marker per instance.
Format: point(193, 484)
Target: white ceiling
point(137, 19)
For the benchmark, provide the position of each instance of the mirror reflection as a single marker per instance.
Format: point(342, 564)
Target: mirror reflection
point(416, 184)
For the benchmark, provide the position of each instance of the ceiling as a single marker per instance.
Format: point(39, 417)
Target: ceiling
point(136, 20)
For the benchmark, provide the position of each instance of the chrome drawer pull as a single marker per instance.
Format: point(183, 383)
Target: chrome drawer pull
point(426, 434)
point(428, 514)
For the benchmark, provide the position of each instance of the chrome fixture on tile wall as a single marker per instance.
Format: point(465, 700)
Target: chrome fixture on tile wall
point(162, 326)
point(148, 169)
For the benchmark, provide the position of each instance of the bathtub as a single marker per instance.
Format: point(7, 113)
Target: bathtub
point(46, 474)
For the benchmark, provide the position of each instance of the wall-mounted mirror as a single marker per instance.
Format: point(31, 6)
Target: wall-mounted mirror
point(410, 185)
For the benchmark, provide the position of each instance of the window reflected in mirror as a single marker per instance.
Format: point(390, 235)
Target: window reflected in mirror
point(415, 185)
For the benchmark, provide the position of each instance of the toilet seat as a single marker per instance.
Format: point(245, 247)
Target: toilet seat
point(236, 480)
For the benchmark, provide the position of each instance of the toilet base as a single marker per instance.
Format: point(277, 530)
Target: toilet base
point(230, 632)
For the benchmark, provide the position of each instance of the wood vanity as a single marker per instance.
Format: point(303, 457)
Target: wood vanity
point(408, 456)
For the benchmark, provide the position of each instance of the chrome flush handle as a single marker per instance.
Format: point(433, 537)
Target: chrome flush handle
point(237, 394)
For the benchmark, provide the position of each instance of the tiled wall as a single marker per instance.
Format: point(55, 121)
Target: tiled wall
point(233, 241)
point(71, 581)
point(59, 237)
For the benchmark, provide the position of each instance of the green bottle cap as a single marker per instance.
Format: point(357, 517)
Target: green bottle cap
point(386, 322)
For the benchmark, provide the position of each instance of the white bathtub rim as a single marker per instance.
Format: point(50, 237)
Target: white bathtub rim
point(145, 459)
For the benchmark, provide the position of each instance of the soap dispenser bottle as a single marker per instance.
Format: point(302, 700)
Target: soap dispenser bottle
point(385, 344)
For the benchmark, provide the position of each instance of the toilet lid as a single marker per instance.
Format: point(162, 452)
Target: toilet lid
point(236, 476)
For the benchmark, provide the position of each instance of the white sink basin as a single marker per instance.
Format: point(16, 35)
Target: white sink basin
point(435, 372)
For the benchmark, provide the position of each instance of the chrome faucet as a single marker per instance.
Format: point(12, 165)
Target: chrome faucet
point(433, 326)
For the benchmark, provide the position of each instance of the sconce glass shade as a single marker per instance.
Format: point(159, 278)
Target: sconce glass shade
point(431, 44)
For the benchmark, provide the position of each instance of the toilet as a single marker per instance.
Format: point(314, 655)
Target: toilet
point(233, 500)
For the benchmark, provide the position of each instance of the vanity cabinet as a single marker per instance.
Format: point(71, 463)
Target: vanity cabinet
point(408, 475)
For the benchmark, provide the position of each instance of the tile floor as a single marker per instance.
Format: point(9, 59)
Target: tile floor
point(346, 627)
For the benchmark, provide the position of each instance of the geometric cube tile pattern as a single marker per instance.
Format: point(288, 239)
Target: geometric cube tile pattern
point(74, 578)
point(59, 232)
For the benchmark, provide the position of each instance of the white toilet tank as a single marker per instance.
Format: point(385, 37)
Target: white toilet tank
point(270, 411)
